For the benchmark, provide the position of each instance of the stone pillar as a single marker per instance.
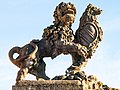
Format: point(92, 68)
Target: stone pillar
point(47, 85)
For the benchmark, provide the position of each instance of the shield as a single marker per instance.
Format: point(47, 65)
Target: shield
point(88, 34)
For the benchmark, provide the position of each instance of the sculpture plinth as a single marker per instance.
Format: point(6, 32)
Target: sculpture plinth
point(47, 85)
point(59, 85)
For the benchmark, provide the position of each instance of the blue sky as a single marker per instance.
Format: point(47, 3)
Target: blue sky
point(24, 20)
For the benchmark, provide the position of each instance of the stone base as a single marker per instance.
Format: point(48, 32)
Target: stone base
point(54, 85)
point(47, 85)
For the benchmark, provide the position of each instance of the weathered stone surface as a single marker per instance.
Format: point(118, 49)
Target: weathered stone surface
point(59, 38)
point(47, 85)
point(59, 85)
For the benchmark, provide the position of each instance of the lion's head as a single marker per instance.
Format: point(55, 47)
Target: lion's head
point(65, 13)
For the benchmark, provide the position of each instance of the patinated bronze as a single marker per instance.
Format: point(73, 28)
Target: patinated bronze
point(59, 39)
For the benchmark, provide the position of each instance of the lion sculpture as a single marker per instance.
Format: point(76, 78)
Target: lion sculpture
point(59, 38)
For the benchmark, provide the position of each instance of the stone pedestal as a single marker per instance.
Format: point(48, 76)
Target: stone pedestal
point(47, 85)
point(57, 85)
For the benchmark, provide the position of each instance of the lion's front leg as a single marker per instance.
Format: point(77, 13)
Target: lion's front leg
point(78, 63)
point(70, 47)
